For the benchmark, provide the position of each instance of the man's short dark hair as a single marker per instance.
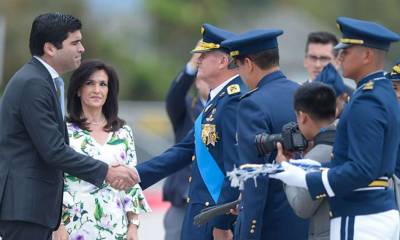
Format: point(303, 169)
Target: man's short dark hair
point(110, 107)
point(53, 28)
point(317, 100)
point(322, 38)
point(265, 59)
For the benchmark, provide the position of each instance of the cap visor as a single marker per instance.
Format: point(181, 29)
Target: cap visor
point(200, 50)
point(342, 46)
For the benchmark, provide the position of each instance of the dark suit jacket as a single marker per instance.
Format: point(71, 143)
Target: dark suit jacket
point(182, 111)
point(34, 150)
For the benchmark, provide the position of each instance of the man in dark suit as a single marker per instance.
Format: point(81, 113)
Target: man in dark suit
point(268, 106)
point(34, 149)
point(182, 110)
point(211, 145)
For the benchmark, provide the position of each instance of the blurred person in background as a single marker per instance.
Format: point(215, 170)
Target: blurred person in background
point(331, 76)
point(34, 151)
point(319, 52)
point(182, 111)
point(394, 76)
point(94, 129)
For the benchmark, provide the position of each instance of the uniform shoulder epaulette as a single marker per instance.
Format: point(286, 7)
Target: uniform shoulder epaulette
point(369, 85)
point(233, 89)
point(248, 93)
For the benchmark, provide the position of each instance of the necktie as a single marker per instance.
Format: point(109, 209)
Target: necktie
point(60, 93)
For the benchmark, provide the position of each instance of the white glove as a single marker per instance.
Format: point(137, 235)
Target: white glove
point(292, 175)
point(305, 163)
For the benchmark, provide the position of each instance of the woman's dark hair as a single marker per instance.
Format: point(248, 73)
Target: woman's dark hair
point(110, 107)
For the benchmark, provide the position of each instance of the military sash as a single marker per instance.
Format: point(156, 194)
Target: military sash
point(210, 172)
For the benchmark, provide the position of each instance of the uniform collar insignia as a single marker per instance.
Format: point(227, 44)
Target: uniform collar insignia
point(232, 89)
point(249, 93)
point(369, 85)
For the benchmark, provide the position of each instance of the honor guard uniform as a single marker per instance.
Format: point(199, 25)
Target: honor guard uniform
point(366, 144)
point(265, 212)
point(394, 76)
point(212, 144)
point(329, 75)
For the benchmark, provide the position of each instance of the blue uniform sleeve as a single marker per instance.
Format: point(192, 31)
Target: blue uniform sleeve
point(172, 160)
point(176, 98)
point(229, 159)
point(251, 121)
point(365, 130)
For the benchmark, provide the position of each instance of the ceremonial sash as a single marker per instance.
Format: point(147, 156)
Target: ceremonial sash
point(209, 169)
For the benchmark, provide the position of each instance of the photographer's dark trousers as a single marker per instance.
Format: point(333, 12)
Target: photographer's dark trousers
point(19, 230)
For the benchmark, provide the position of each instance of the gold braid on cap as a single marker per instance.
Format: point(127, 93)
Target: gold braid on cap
point(351, 41)
point(206, 46)
point(396, 69)
point(234, 53)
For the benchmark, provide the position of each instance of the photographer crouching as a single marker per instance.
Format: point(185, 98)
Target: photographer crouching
point(315, 105)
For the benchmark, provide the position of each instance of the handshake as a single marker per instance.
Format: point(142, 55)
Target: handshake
point(122, 177)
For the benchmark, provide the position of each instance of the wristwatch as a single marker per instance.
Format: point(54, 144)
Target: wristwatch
point(134, 222)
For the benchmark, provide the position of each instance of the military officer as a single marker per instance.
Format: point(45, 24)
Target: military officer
point(366, 144)
point(212, 142)
point(329, 75)
point(265, 212)
point(394, 76)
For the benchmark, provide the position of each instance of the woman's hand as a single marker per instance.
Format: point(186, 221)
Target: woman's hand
point(61, 233)
point(132, 232)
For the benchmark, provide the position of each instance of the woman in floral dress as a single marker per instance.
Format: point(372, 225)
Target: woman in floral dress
point(96, 130)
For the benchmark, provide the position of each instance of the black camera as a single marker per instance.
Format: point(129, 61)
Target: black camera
point(291, 139)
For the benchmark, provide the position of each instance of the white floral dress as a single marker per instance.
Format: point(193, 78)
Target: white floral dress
point(100, 213)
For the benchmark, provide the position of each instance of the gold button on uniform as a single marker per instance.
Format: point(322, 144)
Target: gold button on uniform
point(254, 222)
point(193, 157)
point(253, 226)
point(188, 200)
point(252, 231)
point(190, 179)
point(206, 203)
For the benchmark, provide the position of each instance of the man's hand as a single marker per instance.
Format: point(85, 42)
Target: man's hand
point(220, 234)
point(292, 175)
point(121, 177)
point(194, 60)
point(281, 156)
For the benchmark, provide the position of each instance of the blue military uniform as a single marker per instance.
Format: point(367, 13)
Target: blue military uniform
point(182, 110)
point(330, 76)
point(394, 76)
point(367, 139)
point(212, 144)
point(265, 212)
